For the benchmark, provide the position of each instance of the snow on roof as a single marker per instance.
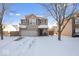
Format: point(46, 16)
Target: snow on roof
point(22, 26)
point(43, 26)
point(9, 28)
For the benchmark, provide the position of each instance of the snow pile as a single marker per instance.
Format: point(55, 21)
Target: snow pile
point(41, 46)
point(10, 28)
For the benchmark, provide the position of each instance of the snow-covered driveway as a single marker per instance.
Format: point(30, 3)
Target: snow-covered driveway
point(39, 46)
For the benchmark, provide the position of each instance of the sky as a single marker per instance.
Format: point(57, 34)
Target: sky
point(17, 10)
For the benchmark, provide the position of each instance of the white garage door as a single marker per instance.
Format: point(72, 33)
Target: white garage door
point(29, 33)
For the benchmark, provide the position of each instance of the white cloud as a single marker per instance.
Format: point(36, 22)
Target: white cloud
point(18, 14)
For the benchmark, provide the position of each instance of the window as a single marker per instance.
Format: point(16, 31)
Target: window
point(23, 21)
point(39, 21)
point(77, 21)
point(77, 31)
point(32, 21)
point(45, 21)
point(77, 26)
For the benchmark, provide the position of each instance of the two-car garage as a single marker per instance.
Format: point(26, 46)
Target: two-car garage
point(29, 32)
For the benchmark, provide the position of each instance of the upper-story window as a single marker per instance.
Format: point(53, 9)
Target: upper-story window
point(23, 21)
point(32, 21)
point(39, 21)
point(45, 22)
point(77, 21)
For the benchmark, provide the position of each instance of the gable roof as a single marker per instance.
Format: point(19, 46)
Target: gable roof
point(33, 16)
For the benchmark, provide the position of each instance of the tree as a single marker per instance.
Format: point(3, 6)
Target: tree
point(60, 12)
point(3, 10)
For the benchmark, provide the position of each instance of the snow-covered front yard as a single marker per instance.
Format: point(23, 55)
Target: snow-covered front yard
point(39, 46)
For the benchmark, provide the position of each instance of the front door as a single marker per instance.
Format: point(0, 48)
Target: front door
point(40, 32)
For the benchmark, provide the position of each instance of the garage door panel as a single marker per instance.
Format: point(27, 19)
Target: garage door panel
point(29, 33)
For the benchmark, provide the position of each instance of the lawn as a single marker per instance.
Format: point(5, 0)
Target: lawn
point(39, 46)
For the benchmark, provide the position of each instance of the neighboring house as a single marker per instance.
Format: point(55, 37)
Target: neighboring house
point(11, 30)
point(33, 25)
point(72, 28)
point(52, 30)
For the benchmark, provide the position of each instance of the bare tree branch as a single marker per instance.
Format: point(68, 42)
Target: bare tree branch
point(59, 12)
point(47, 8)
point(68, 18)
point(3, 9)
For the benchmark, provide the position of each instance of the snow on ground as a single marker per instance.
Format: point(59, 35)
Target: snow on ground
point(39, 46)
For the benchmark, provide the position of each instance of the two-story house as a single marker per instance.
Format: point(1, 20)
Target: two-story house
point(72, 28)
point(33, 25)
